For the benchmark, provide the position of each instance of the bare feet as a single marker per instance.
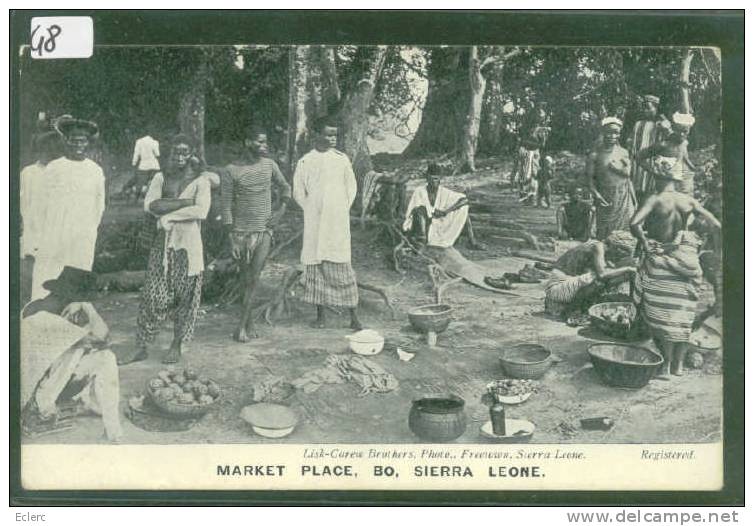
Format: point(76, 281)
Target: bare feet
point(246, 334)
point(678, 369)
point(317, 324)
point(356, 324)
point(174, 353)
point(138, 356)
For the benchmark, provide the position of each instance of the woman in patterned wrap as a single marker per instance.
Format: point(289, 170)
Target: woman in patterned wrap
point(608, 170)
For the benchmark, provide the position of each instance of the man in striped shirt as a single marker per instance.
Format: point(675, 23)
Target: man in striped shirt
point(248, 216)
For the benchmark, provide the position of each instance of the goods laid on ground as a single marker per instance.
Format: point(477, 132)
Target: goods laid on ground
point(183, 393)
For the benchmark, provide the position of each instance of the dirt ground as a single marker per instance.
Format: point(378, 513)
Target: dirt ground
point(685, 409)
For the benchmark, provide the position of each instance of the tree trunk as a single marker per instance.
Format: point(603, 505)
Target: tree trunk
point(446, 106)
point(477, 84)
point(192, 107)
point(354, 116)
point(684, 81)
point(299, 95)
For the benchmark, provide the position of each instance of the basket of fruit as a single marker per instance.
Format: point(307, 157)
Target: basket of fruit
point(510, 390)
point(183, 393)
point(616, 319)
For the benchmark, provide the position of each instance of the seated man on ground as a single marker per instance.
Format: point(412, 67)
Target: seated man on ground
point(576, 217)
point(66, 366)
point(588, 272)
point(436, 216)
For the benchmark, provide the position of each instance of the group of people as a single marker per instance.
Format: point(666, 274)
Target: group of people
point(62, 205)
point(643, 242)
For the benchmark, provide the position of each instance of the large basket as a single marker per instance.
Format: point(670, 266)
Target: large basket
point(180, 411)
point(623, 365)
point(527, 360)
point(613, 329)
point(434, 317)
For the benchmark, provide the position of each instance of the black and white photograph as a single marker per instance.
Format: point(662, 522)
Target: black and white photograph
point(460, 253)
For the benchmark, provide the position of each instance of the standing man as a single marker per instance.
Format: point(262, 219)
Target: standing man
point(145, 162)
point(74, 203)
point(324, 186)
point(45, 147)
point(248, 216)
point(649, 129)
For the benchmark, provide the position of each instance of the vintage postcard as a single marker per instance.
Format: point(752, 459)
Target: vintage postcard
point(255, 265)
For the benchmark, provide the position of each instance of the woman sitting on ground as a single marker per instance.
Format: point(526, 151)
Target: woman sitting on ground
point(586, 273)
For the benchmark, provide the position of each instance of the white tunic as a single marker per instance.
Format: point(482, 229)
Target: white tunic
point(324, 186)
point(74, 201)
point(146, 154)
point(443, 231)
point(32, 190)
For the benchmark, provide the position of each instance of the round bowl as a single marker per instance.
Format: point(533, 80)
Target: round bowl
point(366, 342)
point(435, 317)
point(517, 431)
point(173, 409)
point(621, 365)
point(270, 420)
point(273, 433)
point(705, 340)
point(526, 360)
point(438, 419)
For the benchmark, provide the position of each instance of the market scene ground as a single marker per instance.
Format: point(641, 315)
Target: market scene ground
point(466, 358)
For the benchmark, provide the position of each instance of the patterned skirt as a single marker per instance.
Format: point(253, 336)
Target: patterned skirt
point(618, 215)
point(332, 284)
point(667, 301)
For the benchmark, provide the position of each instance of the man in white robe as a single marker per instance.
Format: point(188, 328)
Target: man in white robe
point(436, 214)
point(66, 366)
point(324, 186)
point(74, 201)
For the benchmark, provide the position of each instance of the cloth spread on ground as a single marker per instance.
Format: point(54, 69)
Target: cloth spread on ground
point(365, 373)
point(668, 298)
point(324, 186)
point(443, 231)
point(72, 204)
point(183, 226)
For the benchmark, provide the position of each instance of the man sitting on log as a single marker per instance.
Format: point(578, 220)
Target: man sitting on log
point(436, 215)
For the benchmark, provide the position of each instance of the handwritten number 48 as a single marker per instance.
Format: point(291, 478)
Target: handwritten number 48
point(44, 43)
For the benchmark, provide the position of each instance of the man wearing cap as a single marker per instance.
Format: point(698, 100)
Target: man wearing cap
point(608, 170)
point(649, 129)
point(666, 285)
point(32, 185)
point(66, 366)
point(74, 204)
point(672, 153)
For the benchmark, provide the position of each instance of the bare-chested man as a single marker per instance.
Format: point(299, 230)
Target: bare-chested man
point(670, 267)
point(248, 216)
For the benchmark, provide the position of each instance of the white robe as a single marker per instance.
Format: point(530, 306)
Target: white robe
point(32, 193)
point(74, 201)
point(324, 186)
point(443, 231)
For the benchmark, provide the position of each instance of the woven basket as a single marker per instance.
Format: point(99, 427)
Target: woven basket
point(180, 411)
point(526, 360)
point(609, 328)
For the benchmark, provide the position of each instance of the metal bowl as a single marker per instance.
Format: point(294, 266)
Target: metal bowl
point(435, 317)
point(621, 365)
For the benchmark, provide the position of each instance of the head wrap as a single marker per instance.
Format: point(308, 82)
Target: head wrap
point(67, 125)
point(683, 119)
point(621, 240)
point(652, 98)
point(612, 121)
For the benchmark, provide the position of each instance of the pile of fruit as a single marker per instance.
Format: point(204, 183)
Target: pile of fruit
point(619, 315)
point(512, 387)
point(184, 387)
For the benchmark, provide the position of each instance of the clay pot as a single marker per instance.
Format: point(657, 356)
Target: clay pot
point(438, 419)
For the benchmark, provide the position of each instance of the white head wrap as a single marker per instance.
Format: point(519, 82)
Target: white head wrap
point(608, 121)
point(683, 119)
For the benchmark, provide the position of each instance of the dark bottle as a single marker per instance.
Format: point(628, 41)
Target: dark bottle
point(497, 415)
